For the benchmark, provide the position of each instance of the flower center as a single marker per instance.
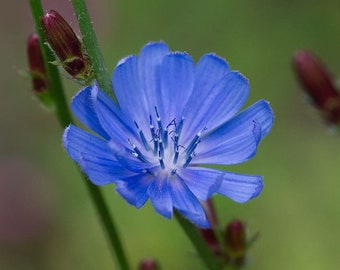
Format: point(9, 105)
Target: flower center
point(163, 148)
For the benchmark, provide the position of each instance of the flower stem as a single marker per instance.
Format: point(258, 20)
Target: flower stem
point(196, 239)
point(64, 117)
point(108, 223)
point(102, 76)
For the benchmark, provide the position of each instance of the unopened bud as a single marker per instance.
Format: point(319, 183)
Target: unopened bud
point(36, 64)
point(236, 242)
point(209, 237)
point(148, 264)
point(318, 84)
point(66, 45)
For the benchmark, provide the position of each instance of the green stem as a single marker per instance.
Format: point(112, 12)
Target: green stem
point(92, 47)
point(107, 220)
point(64, 117)
point(196, 239)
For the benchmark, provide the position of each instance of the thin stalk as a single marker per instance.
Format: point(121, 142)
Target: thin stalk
point(196, 239)
point(64, 117)
point(90, 40)
point(108, 223)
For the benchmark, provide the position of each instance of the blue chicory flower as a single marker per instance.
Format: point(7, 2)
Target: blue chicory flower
point(172, 118)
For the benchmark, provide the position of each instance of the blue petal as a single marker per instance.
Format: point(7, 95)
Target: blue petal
point(209, 70)
point(149, 65)
point(134, 189)
point(260, 112)
point(77, 142)
point(159, 192)
point(83, 108)
point(177, 82)
point(111, 118)
point(130, 94)
point(229, 148)
point(186, 202)
point(241, 187)
point(236, 141)
point(93, 155)
point(199, 219)
point(202, 182)
point(102, 171)
point(222, 103)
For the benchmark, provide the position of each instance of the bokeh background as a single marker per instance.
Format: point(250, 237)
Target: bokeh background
point(46, 218)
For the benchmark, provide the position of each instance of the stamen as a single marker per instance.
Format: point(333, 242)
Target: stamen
point(180, 126)
point(152, 129)
point(145, 143)
point(161, 162)
point(176, 156)
point(165, 137)
point(160, 125)
point(161, 148)
point(155, 146)
point(138, 154)
point(178, 130)
point(141, 134)
point(188, 160)
point(175, 140)
point(195, 141)
point(166, 132)
point(193, 144)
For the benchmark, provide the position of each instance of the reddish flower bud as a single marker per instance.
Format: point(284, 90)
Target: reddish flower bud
point(66, 45)
point(318, 84)
point(211, 240)
point(36, 64)
point(148, 264)
point(210, 211)
point(236, 242)
point(209, 235)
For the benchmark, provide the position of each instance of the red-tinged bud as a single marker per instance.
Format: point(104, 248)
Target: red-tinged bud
point(236, 242)
point(210, 212)
point(148, 264)
point(211, 240)
point(209, 235)
point(318, 84)
point(36, 64)
point(66, 45)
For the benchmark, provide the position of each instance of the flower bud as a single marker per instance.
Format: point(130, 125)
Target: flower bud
point(318, 84)
point(209, 235)
point(36, 64)
point(236, 242)
point(211, 240)
point(66, 45)
point(148, 264)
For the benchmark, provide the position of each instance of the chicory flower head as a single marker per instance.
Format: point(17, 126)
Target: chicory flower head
point(173, 117)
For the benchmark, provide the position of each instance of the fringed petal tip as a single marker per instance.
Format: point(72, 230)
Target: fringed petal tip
point(80, 93)
point(64, 138)
point(151, 45)
point(267, 117)
point(213, 57)
point(124, 60)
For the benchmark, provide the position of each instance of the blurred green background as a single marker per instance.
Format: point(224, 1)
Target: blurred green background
point(46, 218)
